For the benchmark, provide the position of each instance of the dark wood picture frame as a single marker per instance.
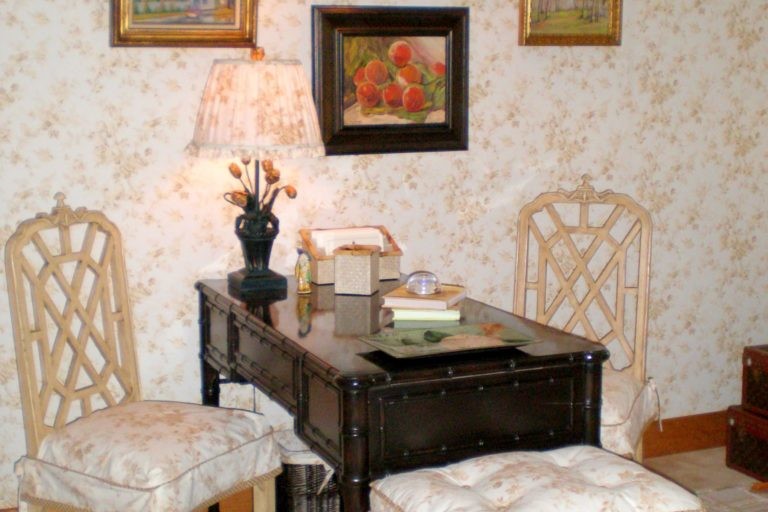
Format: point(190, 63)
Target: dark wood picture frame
point(134, 23)
point(333, 25)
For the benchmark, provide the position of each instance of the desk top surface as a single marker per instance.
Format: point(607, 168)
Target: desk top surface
point(328, 327)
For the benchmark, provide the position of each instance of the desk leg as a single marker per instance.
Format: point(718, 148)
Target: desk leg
point(354, 496)
point(354, 479)
point(209, 376)
point(210, 383)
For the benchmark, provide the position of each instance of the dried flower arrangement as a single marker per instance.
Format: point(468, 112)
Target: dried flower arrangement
point(258, 210)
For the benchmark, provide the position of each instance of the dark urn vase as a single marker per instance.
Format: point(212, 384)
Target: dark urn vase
point(256, 233)
point(257, 247)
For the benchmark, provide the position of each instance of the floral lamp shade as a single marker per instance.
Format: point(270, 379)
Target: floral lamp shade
point(257, 108)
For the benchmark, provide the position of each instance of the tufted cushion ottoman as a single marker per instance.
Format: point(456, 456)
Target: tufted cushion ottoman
point(571, 479)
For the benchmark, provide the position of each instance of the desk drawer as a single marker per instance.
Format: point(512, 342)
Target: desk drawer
point(433, 422)
point(216, 341)
point(266, 360)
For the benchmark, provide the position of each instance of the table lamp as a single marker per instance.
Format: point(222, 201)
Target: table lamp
point(257, 110)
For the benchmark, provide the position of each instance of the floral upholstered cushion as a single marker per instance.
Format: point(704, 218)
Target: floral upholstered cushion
point(150, 456)
point(629, 405)
point(571, 479)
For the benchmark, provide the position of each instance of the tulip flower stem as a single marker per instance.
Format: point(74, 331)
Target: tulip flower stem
point(266, 193)
point(245, 186)
point(255, 186)
point(256, 180)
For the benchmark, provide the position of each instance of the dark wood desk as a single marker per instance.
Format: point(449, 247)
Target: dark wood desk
point(371, 414)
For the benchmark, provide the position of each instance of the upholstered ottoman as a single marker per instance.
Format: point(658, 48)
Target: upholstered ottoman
point(571, 479)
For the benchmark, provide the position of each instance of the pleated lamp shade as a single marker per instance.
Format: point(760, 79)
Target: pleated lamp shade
point(261, 109)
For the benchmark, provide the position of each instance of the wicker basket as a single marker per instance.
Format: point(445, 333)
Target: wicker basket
point(303, 488)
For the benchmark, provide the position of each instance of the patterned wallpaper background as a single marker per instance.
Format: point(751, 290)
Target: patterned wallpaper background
point(675, 117)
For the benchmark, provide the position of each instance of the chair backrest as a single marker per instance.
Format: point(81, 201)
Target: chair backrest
point(583, 265)
point(71, 318)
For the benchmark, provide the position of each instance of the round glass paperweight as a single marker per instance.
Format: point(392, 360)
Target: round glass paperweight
point(422, 282)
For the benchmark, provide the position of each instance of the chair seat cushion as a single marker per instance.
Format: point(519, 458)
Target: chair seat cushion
point(150, 456)
point(571, 479)
point(629, 405)
point(294, 451)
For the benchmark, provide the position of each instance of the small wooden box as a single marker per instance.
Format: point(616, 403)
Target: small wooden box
point(747, 443)
point(356, 269)
point(321, 261)
point(754, 382)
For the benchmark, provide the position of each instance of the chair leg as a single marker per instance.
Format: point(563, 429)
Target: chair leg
point(638, 455)
point(264, 499)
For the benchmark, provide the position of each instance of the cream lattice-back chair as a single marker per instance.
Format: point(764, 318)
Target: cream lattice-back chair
point(583, 263)
point(91, 443)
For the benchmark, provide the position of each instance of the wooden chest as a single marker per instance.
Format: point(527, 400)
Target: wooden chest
point(747, 442)
point(754, 386)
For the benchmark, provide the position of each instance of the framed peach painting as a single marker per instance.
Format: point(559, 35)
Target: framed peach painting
point(391, 79)
point(570, 22)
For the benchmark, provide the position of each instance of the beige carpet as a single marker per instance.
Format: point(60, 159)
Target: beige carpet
point(734, 499)
point(705, 473)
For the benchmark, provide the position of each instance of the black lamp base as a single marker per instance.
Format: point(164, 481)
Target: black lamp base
point(268, 285)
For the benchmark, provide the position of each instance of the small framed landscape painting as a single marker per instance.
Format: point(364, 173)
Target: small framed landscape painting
point(389, 79)
point(222, 23)
point(570, 22)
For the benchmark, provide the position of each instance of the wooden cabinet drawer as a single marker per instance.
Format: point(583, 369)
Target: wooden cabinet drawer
point(321, 415)
point(439, 421)
point(269, 361)
point(746, 447)
point(754, 390)
point(217, 340)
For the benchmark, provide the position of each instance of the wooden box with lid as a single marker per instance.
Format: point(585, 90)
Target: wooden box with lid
point(747, 442)
point(754, 382)
point(747, 436)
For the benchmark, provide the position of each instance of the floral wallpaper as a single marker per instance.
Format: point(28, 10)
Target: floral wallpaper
point(674, 117)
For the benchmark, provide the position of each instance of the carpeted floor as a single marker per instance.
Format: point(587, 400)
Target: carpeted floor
point(704, 472)
point(734, 499)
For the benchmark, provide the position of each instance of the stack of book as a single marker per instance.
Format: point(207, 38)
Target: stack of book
point(410, 310)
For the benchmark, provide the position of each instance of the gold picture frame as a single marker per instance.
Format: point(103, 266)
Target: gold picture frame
point(579, 23)
point(207, 23)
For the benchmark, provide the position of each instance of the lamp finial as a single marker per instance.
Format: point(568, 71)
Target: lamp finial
point(257, 53)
